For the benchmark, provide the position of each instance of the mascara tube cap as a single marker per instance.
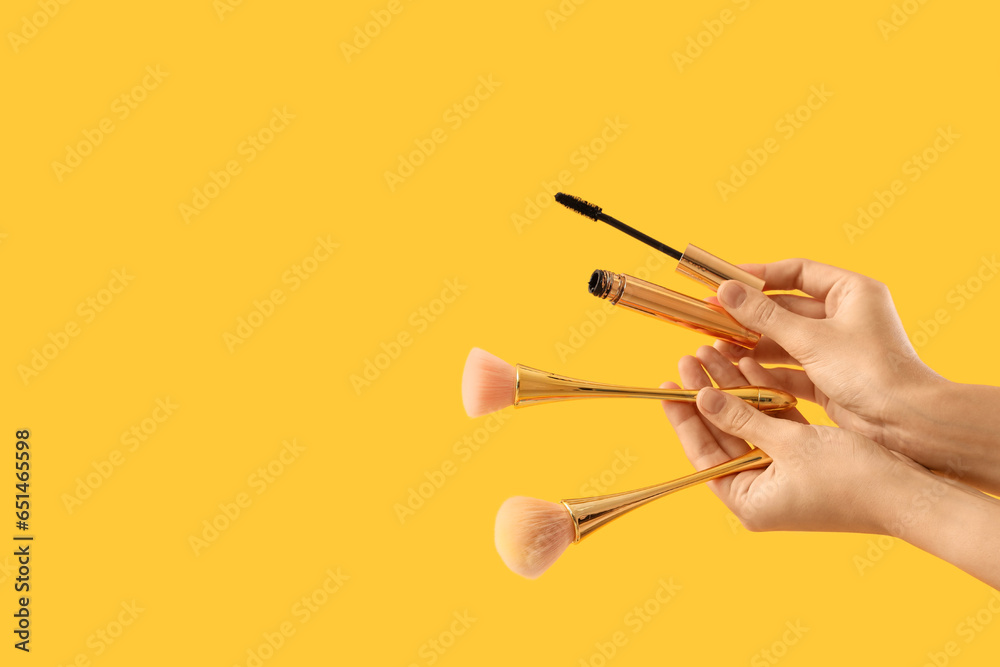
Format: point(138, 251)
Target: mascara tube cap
point(707, 269)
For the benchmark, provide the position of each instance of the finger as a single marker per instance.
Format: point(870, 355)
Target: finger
point(792, 380)
point(735, 417)
point(806, 306)
point(755, 269)
point(727, 375)
point(805, 275)
point(694, 376)
point(800, 305)
point(722, 370)
point(700, 446)
point(754, 310)
point(766, 352)
point(771, 377)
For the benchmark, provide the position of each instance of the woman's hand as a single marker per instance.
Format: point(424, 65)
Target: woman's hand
point(856, 360)
point(821, 478)
point(829, 479)
point(857, 363)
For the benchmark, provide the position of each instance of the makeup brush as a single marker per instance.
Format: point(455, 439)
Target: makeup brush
point(490, 384)
point(695, 263)
point(531, 534)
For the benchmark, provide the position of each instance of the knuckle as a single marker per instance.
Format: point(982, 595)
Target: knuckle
point(780, 299)
point(823, 435)
point(816, 439)
point(739, 418)
point(873, 286)
point(764, 311)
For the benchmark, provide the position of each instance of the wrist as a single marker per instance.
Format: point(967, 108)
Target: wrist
point(951, 428)
point(916, 421)
point(911, 497)
point(949, 520)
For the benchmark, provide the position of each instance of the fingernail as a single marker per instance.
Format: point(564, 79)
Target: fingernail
point(711, 401)
point(732, 294)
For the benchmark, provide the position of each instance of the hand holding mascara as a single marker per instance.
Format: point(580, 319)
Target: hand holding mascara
point(859, 365)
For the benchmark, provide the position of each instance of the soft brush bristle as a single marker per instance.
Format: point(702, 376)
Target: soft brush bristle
point(531, 534)
point(487, 383)
point(580, 206)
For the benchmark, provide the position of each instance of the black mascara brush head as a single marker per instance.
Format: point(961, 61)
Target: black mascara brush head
point(580, 206)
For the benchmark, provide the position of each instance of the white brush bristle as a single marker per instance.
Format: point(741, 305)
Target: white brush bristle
point(531, 534)
point(487, 383)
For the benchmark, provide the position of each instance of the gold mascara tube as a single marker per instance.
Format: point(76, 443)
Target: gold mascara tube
point(663, 304)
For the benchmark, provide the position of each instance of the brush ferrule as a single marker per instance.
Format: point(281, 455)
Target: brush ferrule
point(538, 386)
point(576, 521)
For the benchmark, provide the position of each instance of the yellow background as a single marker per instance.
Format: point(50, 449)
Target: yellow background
point(524, 291)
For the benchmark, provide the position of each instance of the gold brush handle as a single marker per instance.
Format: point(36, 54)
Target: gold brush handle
point(589, 514)
point(538, 386)
point(764, 399)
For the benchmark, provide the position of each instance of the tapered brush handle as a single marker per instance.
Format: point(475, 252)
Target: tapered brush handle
point(537, 386)
point(759, 397)
point(752, 460)
point(589, 514)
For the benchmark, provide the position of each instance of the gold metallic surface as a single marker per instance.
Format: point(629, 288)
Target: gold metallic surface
point(589, 514)
point(644, 297)
point(711, 271)
point(538, 386)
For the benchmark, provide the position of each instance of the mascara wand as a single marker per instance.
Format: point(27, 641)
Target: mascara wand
point(587, 209)
point(695, 263)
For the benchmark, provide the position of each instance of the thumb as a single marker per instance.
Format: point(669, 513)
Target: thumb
point(756, 311)
point(736, 417)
